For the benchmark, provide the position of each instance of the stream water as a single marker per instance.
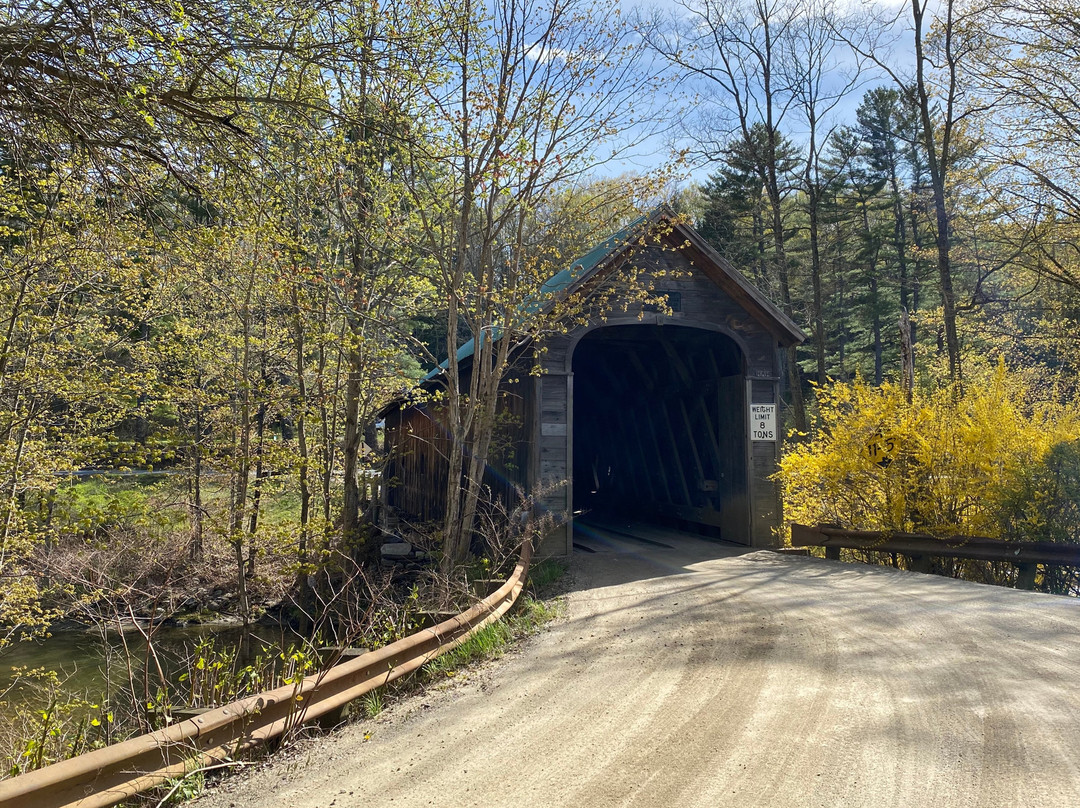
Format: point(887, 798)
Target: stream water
point(96, 667)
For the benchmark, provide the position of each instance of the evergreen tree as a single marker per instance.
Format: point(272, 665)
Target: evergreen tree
point(736, 219)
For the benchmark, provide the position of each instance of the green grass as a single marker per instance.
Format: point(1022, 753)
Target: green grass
point(527, 617)
point(372, 703)
point(532, 613)
point(544, 575)
point(490, 642)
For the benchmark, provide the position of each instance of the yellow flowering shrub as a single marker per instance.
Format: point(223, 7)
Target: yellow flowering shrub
point(939, 464)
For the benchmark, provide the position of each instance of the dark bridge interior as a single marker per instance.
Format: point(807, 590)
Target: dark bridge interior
point(659, 428)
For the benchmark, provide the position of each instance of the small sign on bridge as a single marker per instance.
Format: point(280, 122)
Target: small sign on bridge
point(763, 422)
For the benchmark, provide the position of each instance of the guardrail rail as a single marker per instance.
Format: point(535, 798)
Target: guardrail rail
point(920, 548)
point(106, 776)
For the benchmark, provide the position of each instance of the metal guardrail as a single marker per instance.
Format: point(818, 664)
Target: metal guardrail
point(106, 776)
point(920, 547)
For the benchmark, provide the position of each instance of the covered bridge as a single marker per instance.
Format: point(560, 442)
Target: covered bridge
point(664, 410)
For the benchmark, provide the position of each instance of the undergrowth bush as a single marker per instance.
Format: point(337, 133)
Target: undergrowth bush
point(988, 462)
point(214, 675)
point(65, 725)
point(61, 724)
point(45, 721)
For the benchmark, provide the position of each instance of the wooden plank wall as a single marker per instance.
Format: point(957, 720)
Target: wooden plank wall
point(764, 492)
point(553, 437)
point(419, 444)
point(747, 511)
point(702, 301)
point(541, 453)
point(731, 408)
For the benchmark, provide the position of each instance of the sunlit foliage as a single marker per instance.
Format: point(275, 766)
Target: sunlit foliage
point(939, 463)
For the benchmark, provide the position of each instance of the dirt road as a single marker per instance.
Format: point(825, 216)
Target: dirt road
point(684, 679)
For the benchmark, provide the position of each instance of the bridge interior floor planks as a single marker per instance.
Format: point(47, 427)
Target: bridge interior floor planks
point(640, 531)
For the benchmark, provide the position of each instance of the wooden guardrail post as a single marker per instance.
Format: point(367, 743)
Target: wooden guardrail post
point(1025, 577)
point(804, 536)
point(919, 563)
point(919, 548)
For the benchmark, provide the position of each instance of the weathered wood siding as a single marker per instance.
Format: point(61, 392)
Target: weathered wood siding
point(746, 503)
point(764, 493)
point(556, 449)
point(419, 447)
point(680, 442)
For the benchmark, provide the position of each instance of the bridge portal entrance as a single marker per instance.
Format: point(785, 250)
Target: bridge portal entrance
point(659, 428)
point(665, 414)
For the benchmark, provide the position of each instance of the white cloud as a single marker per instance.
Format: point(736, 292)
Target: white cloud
point(545, 54)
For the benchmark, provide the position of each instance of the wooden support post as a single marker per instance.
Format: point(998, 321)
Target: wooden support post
point(919, 563)
point(631, 471)
point(631, 480)
point(677, 363)
point(714, 441)
point(625, 421)
point(688, 499)
point(693, 439)
point(659, 457)
point(482, 587)
point(645, 378)
point(832, 553)
point(332, 719)
point(1025, 577)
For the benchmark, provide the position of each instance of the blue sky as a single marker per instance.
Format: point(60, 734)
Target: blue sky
point(656, 149)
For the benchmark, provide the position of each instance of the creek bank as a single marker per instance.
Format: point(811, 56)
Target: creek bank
point(211, 607)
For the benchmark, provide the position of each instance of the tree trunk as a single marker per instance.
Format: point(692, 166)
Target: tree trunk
point(907, 356)
point(459, 408)
point(351, 528)
point(948, 297)
point(305, 594)
point(815, 277)
point(938, 161)
point(243, 468)
point(900, 237)
point(474, 482)
point(256, 496)
point(916, 265)
point(196, 550)
point(875, 301)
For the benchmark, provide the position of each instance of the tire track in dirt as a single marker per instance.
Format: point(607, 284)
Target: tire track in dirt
point(683, 678)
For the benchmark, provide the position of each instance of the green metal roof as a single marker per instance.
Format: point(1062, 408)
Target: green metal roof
point(578, 271)
point(586, 264)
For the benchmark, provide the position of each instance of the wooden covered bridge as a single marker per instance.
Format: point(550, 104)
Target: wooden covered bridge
point(666, 412)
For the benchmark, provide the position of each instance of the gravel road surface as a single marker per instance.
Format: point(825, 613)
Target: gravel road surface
point(693, 675)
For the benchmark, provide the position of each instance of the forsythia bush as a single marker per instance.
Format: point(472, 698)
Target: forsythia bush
point(936, 465)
